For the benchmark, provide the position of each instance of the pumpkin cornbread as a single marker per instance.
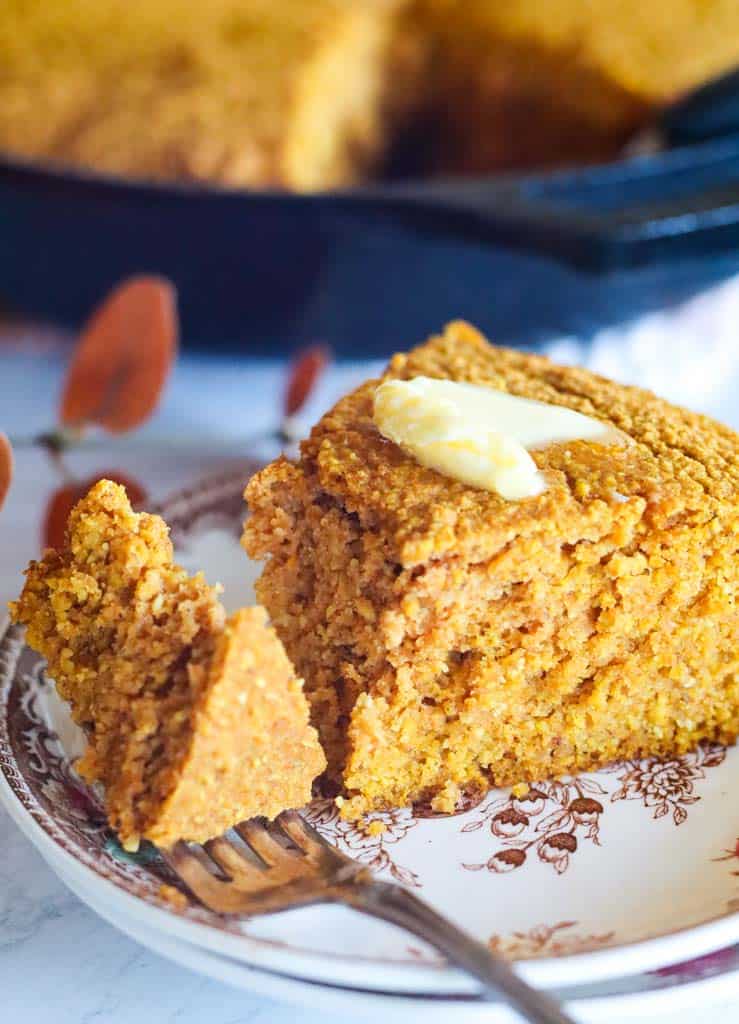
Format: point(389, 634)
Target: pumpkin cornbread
point(307, 96)
point(259, 93)
point(452, 640)
point(193, 722)
point(542, 82)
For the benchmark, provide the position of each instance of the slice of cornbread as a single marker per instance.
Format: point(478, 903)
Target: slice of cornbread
point(193, 723)
point(258, 93)
point(536, 82)
point(451, 639)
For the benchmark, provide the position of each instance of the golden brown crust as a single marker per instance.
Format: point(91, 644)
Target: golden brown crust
point(138, 649)
point(450, 639)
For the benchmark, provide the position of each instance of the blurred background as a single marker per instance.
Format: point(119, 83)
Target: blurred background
point(358, 173)
point(348, 175)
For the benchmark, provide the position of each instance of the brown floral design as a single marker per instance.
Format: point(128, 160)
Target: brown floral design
point(666, 786)
point(79, 806)
point(551, 820)
point(554, 818)
point(360, 840)
point(548, 940)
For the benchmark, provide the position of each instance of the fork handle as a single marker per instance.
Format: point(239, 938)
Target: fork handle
point(401, 907)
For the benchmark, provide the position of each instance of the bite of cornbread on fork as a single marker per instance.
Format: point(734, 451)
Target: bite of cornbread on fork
point(193, 722)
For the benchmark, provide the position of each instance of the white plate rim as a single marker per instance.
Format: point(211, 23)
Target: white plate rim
point(679, 996)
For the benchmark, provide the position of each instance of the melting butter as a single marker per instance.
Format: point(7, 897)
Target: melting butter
point(478, 435)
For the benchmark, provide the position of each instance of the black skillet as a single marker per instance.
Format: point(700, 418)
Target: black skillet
point(373, 269)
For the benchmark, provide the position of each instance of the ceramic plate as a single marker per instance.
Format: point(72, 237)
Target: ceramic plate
point(697, 984)
point(601, 876)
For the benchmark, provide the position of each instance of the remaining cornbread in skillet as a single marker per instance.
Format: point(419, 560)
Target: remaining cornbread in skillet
point(258, 93)
point(289, 94)
point(193, 722)
point(542, 82)
point(451, 639)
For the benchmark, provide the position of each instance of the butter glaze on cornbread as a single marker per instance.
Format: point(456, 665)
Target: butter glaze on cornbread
point(451, 640)
point(193, 723)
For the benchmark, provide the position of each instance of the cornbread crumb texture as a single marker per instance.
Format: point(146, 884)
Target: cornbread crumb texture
point(180, 707)
point(252, 750)
point(451, 640)
point(247, 92)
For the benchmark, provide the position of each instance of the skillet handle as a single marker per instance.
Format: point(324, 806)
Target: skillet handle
point(670, 207)
point(708, 112)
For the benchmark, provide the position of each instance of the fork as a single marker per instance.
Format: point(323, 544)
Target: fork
point(294, 866)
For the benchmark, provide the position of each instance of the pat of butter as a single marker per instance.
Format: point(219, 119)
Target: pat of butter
point(478, 435)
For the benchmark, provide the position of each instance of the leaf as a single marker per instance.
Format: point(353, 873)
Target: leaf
point(713, 756)
point(620, 794)
point(591, 786)
point(560, 792)
point(6, 467)
point(123, 357)
point(561, 865)
point(679, 814)
point(323, 813)
point(555, 820)
point(661, 810)
point(404, 875)
point(472, 826)
point(303, 377)
point(64, 498)
point(375, 856)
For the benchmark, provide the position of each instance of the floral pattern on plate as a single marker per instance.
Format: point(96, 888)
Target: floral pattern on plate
point(366, 840)
point(559, 939)
point(551, 820)
point(669, 785)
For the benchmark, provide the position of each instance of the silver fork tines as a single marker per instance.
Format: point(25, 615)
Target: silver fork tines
point(293, 866)
point(288, 863)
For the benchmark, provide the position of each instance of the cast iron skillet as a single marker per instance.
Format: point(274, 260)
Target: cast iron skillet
point(374, 269)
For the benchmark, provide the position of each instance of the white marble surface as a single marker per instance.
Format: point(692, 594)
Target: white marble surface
point(59, 963)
